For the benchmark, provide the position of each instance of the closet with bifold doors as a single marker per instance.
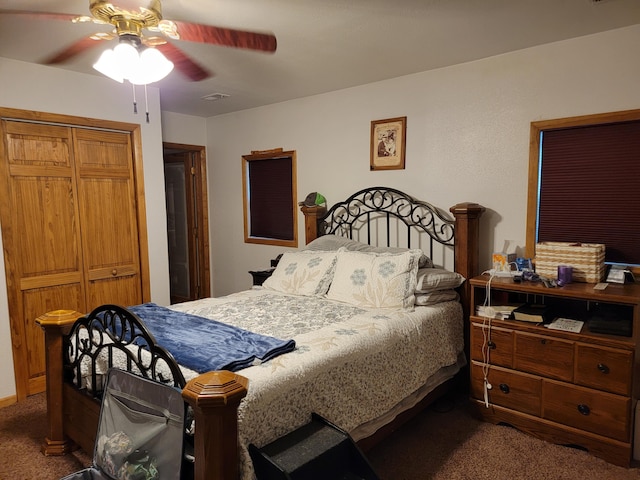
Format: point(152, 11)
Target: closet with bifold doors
point(73, 224)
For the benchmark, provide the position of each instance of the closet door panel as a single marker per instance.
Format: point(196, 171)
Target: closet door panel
point(44, 213)
point(106, 191)
point(125, 289)
point(36, 301)
point(31, 144)
point(41, 237)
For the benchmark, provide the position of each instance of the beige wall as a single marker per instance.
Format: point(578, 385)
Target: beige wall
point(46, 89)
point(467, 137)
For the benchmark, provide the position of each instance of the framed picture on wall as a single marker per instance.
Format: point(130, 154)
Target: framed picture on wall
point(388, 140)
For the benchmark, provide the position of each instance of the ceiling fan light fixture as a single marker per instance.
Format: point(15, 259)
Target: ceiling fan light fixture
point(125, 62)
point(152, 66)
point(108, 66)
point(126, 57)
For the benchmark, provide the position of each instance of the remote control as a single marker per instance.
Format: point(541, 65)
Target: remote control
point(600, 286)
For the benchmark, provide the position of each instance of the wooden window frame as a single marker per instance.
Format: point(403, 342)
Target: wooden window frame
point(534, 160)
point(257, 156)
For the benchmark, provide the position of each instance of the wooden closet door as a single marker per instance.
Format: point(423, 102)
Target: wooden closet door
point(41, 237)
point(108, 216)
point(73, 224)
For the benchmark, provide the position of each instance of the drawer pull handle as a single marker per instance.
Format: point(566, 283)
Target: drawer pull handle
point(543, 341)
point(504, 388)
point(114, 272)
point(603, 368)
point(584, 409)
point(491, 345)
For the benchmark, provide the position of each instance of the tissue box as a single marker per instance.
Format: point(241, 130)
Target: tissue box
point(587, 260)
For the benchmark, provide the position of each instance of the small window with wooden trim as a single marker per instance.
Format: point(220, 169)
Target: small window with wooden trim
point(269, 197)
point(583, 183)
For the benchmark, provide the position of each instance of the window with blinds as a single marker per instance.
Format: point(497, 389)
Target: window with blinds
point(588, 186)
point(269, 186)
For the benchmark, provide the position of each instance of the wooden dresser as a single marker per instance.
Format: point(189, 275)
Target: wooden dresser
point(576, 389)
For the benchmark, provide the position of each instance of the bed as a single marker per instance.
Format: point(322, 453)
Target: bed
point(363, 359)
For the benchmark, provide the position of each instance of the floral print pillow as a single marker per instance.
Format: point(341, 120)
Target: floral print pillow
point(303, 273)
point(375, 280)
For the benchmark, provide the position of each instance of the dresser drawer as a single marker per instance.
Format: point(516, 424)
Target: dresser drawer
point(604, 368)
point(501, 347)
point(511, 389)
point(591, 410)
point(545, 356)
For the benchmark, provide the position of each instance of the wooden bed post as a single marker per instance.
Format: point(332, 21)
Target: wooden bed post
point(214, 397)
point(55, 324)
point(467, 234)
point(311, 216)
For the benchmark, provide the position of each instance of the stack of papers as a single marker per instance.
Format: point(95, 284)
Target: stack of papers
point(501, 312)
point(566, 324)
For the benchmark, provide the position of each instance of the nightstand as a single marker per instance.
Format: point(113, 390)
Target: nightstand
point(567, 388)
point(260, 276)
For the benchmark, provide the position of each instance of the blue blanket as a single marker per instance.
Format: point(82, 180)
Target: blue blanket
point(203, 345)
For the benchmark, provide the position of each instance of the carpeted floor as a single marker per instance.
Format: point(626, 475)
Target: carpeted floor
point(442, 443)
point(23, 427)
point(446, 443)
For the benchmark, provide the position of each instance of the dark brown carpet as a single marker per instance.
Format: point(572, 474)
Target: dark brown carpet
point(23, 427)
point(446, 443)
point(442, 443)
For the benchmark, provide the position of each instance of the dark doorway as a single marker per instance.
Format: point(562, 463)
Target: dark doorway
point(187, 221)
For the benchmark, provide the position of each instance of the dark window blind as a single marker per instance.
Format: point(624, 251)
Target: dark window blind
point(589, 188)
point(270, 198)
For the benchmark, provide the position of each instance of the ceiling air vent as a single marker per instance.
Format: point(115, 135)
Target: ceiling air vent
point(212, 97)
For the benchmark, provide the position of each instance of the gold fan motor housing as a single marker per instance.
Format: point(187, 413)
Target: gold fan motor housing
point(131, 17)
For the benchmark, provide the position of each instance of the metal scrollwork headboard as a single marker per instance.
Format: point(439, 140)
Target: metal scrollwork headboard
point(361, 210)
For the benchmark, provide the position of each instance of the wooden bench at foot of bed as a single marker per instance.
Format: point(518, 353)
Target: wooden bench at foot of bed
point(214, 396)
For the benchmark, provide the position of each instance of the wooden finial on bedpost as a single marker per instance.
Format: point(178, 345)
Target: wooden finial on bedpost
point(214, 397)
point(311, 219)
point(467, 240)
point(55, 324)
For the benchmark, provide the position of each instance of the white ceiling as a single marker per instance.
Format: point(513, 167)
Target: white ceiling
point(323, 45)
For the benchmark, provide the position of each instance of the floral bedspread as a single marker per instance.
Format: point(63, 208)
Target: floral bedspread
point(350, 365)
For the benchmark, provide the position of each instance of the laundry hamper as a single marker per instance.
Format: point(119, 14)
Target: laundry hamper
point(140, 431)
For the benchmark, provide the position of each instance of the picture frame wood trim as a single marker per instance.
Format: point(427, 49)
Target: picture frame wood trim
point(388, 143)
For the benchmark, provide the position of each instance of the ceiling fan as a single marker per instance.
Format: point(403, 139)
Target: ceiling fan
point(131, 18)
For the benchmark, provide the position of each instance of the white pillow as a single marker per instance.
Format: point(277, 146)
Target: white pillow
point(334, 242)
point(303, 273)
point(438, 296)
point(375, 280)
point(433, 279)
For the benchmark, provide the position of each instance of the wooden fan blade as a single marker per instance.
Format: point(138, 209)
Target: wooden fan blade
point(183, 63)
point(194, 32)
point(45, 15)
point(72, 50)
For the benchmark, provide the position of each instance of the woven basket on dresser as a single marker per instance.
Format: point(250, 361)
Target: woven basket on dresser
point(587, 260)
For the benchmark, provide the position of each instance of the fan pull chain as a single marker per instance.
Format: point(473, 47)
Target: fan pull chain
point(135, 104)
point(146, 102)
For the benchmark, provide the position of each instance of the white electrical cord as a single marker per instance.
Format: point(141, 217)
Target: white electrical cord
point(488, 315)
